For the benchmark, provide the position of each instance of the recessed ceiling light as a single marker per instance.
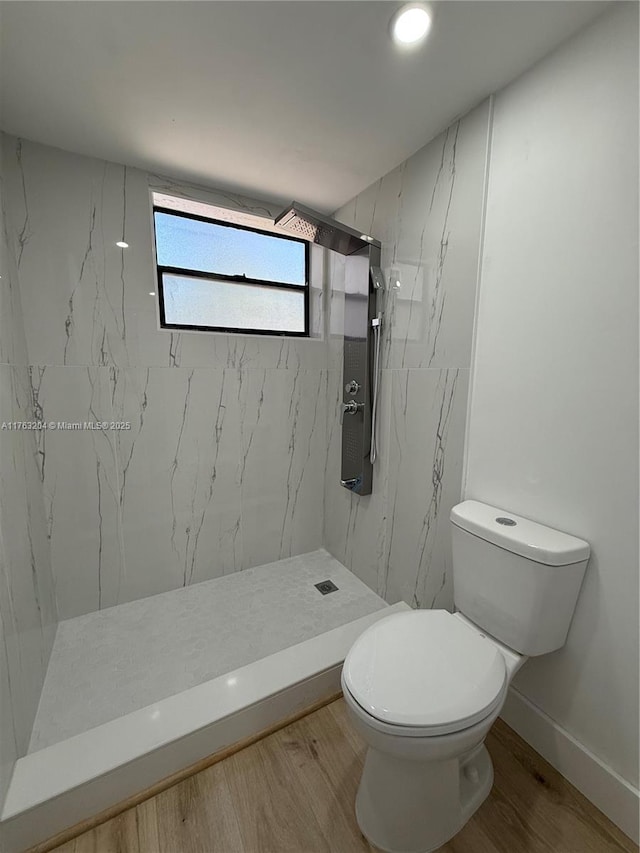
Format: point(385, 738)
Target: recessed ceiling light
point(122, 245)
point(152, 293)
point(411, 24)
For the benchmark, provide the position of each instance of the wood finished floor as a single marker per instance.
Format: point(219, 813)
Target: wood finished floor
point(294, 791)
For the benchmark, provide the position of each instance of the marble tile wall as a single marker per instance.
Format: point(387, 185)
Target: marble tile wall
point(222, 468)
point(27, 609)
point(428, 215)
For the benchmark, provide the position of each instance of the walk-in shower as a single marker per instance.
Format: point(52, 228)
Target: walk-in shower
point(362, 336)
point(182, 539)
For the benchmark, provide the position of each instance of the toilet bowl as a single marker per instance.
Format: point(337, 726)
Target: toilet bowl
point(423, 688)
point(425, 735)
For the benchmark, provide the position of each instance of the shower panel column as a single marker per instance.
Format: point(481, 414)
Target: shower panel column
point(361, 282)
point(362, 328)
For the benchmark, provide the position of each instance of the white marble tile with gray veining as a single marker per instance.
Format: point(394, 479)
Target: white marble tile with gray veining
point(8, 735)
point(26, 589)
point(427, 214)
point(35, 515)
point(215, 197)
point(131, 513)
point(355, 527)
point(28, 615)
point(283, 430)
point(65, 215)
point(428, 413)
point(241, 352)
point(179, 493)
point(13, 346)
point(100, 305)
point(80, 481)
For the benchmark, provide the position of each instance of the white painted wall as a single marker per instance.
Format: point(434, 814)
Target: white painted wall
point(553, 429)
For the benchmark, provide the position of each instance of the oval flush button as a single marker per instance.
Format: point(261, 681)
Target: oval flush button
point(508, 522)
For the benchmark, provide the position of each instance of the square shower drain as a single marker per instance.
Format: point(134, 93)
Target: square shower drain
point(326, 587)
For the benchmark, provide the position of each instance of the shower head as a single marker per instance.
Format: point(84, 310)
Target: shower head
point(327, 232)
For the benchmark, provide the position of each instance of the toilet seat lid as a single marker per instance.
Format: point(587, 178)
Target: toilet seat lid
point(425, 668)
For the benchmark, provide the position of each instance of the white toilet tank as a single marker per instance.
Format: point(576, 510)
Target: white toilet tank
point(517, 580)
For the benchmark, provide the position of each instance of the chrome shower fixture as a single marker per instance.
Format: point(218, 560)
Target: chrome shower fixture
point(362, 331)
point(323, 230)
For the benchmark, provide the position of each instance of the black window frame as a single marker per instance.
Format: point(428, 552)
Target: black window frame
point(240, 279)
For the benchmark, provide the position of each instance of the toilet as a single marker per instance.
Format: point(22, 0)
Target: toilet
point(424, 687)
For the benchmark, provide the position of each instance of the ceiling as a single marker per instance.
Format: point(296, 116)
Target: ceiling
point(280, 100)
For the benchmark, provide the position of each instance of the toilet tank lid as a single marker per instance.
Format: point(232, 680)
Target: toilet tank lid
point(519, 535)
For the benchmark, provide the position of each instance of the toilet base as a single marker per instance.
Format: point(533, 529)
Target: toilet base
point(407, 806)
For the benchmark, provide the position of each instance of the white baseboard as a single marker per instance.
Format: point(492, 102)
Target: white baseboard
point(605, 788)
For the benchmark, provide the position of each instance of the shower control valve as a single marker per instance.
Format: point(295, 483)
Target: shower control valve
point(352, 387)
point(350, 408)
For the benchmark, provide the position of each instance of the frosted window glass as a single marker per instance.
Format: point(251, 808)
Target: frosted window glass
point(205, 246)
point(203, 302)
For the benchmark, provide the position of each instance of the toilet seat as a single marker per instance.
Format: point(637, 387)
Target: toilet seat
point(427, 672)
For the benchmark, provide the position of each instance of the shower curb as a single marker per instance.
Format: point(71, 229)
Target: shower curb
point(66, 784)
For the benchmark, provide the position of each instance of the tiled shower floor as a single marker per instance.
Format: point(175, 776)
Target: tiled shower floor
point(107, 664)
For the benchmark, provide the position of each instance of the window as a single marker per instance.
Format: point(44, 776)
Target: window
point(221, 276)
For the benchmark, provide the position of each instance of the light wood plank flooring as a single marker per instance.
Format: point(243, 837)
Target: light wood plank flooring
point(293, 792)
